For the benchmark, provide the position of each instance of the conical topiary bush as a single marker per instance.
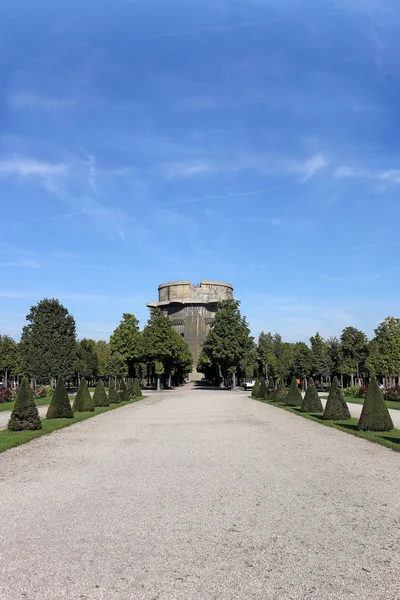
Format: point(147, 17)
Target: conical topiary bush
point(130, 388)
point(312, 402)
point(336, 408)
point(123, 392)
point(271, 391)
point(262, 390)
point(293, 397)
point(280, 395)
point(113, 396)
point(83, 401)
point(100, 397)
point(25, 415)
point(138, 391)
point(374, 415)
point(60, 406)
point(255, 389)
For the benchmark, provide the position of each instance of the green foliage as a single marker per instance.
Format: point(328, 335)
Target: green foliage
point(384, 350)
point(83, 401)
point(272, 391)
point(137, 389)
point(100, 397)
point(123, 392)
point(127, 341)
point(113, 395)
point(130, 388)
point(87, 361)
point(25, 415)
point(60, 407)
point(9, 357)
point(336, 408)
point(293, 396)
point(354, 350)
point(303, 359)
point(266, 358)
point(44, 391)
point(256, 389)
point(229, 340)
point(321, 363)
point(374, 415)
point(262, 390)
point(48, 343)
point(354, 391)
point(281, 393)
point(311, 402)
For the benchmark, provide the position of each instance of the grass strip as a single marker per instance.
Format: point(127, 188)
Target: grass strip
point(11, 439)
point(389, 439)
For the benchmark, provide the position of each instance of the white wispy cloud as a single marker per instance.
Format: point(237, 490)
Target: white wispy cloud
point(225, 196)
point(391, 176)
point(181, 170)
point(27, 99)
point(309, 167)
point(28, 167)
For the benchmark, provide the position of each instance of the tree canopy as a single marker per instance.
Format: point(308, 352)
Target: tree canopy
point(128, 342)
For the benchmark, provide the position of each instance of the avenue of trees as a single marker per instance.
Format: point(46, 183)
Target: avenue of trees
point(49, 350)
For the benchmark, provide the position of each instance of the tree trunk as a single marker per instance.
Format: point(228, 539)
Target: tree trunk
point(341, 380)
point(234, 381)
point(158, 383)
point(352, 380)
point(5, 378)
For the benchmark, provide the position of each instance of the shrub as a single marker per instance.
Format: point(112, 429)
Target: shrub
point(255, 389)
point(374, 415)
point(336, 408)
point(392, 395)
point(40, 392)
point(311, 402)
point(138, 391)
point(113, 396)
point(123, 392)
point(130, 388)
point(100, 397)
point(6, 394)
point(293, 397)
point(280, 395)
point(262, 390)
point(25, 415)
point(83, 401)
point(352, 391)
point(60, 407)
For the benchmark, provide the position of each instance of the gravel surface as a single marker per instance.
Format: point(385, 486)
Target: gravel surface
point(199, 495)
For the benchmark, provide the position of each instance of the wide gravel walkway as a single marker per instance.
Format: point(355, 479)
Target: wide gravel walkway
point(199, 495)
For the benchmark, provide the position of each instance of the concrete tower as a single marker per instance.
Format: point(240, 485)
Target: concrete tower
point(191, 309)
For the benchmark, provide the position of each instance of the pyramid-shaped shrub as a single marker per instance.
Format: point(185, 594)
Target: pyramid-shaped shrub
point(375, 415)
point(123, 392)
point(60, 406)
point(280, 395)
point(293, 397)
point(25, 415)
point(312, 402)
point(336, 408)
point(262, 390)
point(130, 388)
point(138, 391)
point(271, 391)
point(255, 389)
point(113, 395)
point(100, 397)
point(83, 401)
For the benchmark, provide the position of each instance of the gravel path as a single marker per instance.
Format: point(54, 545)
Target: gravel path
point(199, 495)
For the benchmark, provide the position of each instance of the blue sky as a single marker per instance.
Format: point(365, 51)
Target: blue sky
point(251, 141)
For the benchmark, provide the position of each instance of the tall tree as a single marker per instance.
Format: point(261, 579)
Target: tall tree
point(87, 359)
point(266, 359)
point(302, 360)
point(385, 349)
point(8, 357)
point(354, 351)
point(48, 343)
point(321, 366)
point(159, 344)
point(334, 349)
point(127, 340)
point(229, 339)
point(103, 350)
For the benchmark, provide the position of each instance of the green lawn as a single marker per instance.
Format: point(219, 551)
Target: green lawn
point(10, 439)
point(352, 400)
point(38, 401)
point(390, 439)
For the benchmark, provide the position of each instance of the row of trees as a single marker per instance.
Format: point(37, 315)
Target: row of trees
point(49, 349)
point(230, 352)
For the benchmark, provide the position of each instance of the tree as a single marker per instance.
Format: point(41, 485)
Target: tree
point(293, 396)
point(302, 365)
point(60, 406)
point(100, 397)
point(25, 415)
point(83, 401)
point(354, 351)
point(256, 389)
point(320, 362)
point(180, 361)
point(8, 357)
point(113, 396)
point(138, 391)
point(374, 415)
point(87, 359)
point(116, 366)
point(385, 355)
point(266, 359)
point(127, 340)
point(334, 349)
point(280, 394)
point(103, 350)
point(48, 343)
point(311, 402)
point(123, 392)
point(229, 339)
point(336, 408)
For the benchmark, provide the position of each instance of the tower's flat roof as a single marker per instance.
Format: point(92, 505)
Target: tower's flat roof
point(186, 282)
